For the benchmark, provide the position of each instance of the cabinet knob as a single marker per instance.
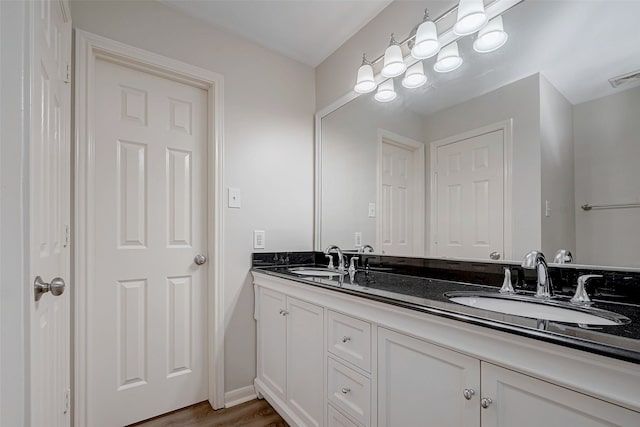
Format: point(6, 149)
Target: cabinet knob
point(345, 390)
point(468, 393)
point(346, 339)
point(485, 402)
point(284, 312)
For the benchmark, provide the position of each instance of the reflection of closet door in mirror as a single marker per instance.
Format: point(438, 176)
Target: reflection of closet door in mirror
point(401, 196)
point(468, 199)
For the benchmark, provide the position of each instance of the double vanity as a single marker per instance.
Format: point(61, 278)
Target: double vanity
point(426, 342)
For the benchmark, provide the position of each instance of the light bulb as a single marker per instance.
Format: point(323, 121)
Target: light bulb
point(491, 37)
point(385, 92)
point(365, 82)
point(448, 59)
point(471, 17)
point(426, 43)
point(414, 77)
point(393, 60)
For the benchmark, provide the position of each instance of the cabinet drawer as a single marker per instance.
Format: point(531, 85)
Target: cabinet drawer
point(349, 391)
point(350, 339)
point(336, 419)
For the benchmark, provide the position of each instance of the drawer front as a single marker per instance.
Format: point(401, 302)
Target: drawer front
point(350, 339)
point(336, 419)
point(349, 391)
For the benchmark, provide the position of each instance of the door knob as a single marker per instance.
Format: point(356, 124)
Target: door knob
point(485, 402)
point(494, 255)
point(468, 393)
point(56, 287)
point(200, 259)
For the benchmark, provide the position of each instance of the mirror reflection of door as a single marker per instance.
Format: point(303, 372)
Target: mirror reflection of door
point(468, 195)
point(401, 195)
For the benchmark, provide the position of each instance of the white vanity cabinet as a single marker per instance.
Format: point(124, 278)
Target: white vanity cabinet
point(291, 355)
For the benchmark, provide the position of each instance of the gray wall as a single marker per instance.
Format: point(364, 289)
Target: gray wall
point(268, 141)
point(607, 170)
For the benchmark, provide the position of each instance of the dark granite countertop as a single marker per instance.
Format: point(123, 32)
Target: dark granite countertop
point(427, 295)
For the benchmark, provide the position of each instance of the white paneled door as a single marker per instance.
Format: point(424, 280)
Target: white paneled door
point(147, 337)
point(50, 188)
point(469, 199)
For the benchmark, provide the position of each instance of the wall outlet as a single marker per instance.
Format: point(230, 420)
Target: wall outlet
point(358, 239)
point(372, 210)
point(235, 198)
point(258, 239)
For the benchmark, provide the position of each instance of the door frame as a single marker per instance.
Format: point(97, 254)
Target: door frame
point(419, 211)
point(506, 126)
point(88, 48)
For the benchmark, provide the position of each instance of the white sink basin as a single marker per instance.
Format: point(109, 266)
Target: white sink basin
point(551, 310)
point(316, 272)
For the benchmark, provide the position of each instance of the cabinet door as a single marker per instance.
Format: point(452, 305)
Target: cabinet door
point(523, 401)
point(305, 355)
point(421, 384)
point(272, 362)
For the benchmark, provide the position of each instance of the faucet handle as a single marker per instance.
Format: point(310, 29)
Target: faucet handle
point(352, 262)
point(507, 287)
point(581, 296)
point(330, 266)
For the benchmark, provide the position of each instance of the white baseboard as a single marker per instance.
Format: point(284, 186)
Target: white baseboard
point(240, 395)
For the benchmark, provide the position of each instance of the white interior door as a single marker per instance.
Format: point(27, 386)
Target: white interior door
point(469, 199)
point(401, 212)
point(147, 336)
point(50, 188)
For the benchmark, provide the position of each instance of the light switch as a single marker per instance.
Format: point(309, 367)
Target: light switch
point(372, 210)
point(258, 239)
point(235, 199)
point(547, 208)
point(358, 239)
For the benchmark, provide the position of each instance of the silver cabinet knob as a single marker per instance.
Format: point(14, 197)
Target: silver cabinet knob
point(485, 402)
point(345, 390)
point(200, 259)
point(468, 393)
point(56, 287)
point(284, 312)
point(494, 255)
point(346, 339)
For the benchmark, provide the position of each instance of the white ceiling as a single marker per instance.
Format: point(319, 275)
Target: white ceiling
point(305, 30)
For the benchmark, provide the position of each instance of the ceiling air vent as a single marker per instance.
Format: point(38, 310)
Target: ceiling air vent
point(624, 79)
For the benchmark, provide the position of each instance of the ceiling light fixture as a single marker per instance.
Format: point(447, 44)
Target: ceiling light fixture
point(448, 59)
point(426, 43)
point(471, 17)
point(393, 61)
point(491, 37)
point(414, 77)
point(385, 92)
point(365, 82)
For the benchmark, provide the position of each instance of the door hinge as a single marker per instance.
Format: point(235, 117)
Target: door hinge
point(67, 78)
point(67, 400)
point(67, 235)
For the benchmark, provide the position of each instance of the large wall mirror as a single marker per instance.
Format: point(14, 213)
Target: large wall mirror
point(529, 147)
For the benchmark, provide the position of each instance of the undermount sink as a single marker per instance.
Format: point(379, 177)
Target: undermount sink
point(317, 272)
point(526, 306)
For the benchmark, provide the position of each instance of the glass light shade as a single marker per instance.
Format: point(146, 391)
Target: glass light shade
point(393, 62)
point(448, 59)
point(471, 17)
point(365, 82)
point(491, 37)
point(385, 92)
point(426, 41)
point(414, 77)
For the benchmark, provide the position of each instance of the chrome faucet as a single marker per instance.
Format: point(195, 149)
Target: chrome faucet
point(581, 296)
point(334, 248)
point(363, 249)
point(563, 256)
point(536, 260)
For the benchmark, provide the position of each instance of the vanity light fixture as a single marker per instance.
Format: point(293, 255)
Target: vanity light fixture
point(385, 92)
point(426, 43)
point(414, 77)
point(393, 61)
point(448, 59)
point(365, 82)
point(471, 17)
point(491, 37)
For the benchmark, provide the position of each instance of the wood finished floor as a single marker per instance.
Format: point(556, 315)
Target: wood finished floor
point(256, 413)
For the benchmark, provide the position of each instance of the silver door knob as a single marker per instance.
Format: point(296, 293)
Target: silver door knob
point(56, 287)
point(346, 339)
point(468, 393)
point(200, 259)
point(485, 402)
point(494, 255)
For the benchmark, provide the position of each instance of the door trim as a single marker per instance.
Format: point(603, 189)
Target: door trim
point(506, 127)
point(419, 211)
point(88, 48)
